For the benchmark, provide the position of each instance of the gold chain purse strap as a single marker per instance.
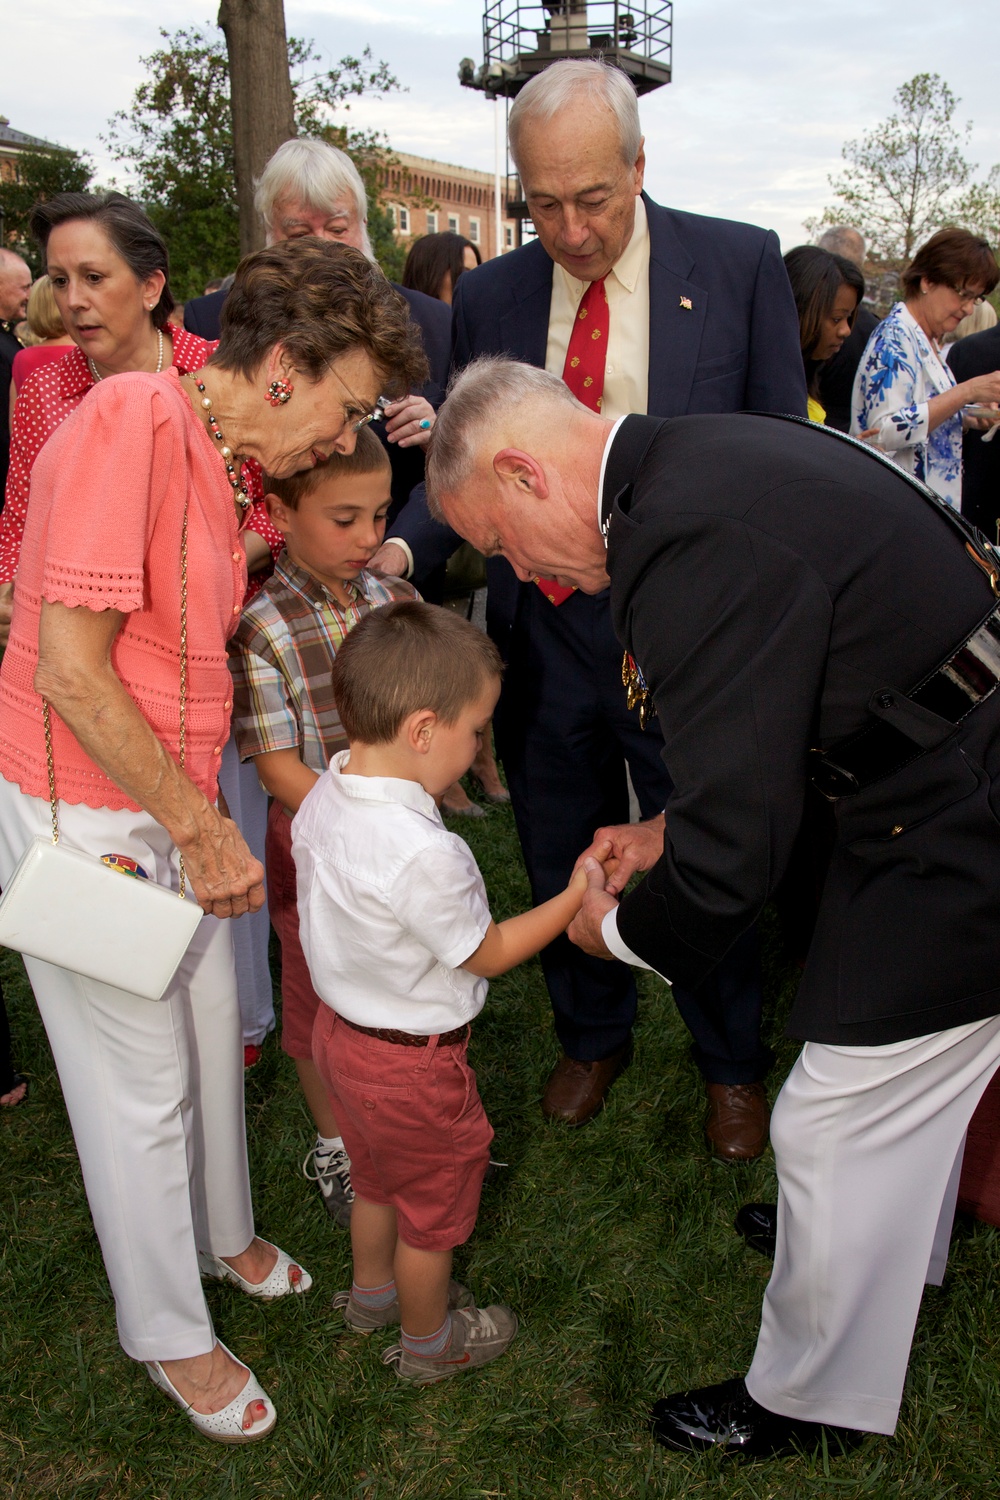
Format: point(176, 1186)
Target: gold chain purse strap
point(47, 718)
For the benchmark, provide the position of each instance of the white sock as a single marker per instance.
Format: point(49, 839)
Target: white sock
point(326, 1144)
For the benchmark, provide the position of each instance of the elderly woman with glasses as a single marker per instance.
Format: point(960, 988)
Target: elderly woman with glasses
point(905, 397)
point(138, 501)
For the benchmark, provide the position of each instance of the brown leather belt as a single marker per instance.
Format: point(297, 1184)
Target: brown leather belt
point(409, 1038)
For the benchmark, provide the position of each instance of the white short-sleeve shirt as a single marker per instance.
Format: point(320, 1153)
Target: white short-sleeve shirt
point(390, 903)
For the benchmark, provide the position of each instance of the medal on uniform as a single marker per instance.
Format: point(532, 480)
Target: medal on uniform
point(637, 694)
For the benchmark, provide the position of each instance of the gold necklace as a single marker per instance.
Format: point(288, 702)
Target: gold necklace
point(234, 476)
point(159, 358)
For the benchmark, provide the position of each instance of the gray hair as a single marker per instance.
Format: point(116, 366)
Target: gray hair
point(552, 90)
point(486, 395)
point(315, 174)
point(841, 239)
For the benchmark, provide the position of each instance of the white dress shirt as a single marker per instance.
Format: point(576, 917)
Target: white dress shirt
point(626, 369)
point(390, 904)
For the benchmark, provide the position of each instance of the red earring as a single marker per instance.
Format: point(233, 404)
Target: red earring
point(279, 391)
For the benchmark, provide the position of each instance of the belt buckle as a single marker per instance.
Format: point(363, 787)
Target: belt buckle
point(829, 779)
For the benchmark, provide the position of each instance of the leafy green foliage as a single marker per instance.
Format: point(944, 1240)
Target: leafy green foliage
point(176, 141)
point(907, 176)
point(40, 175)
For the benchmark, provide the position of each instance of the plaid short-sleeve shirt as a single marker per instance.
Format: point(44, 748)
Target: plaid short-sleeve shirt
point(280, 657)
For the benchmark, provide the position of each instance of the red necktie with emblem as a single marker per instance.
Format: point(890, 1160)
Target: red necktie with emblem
point(583, 372)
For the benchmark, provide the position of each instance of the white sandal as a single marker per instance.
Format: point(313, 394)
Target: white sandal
point(278, 1283)
point(225, 1426)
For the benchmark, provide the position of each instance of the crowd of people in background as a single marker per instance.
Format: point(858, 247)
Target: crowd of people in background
point(262, 452)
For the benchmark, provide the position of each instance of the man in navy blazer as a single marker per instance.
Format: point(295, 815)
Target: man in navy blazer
point(701, 320)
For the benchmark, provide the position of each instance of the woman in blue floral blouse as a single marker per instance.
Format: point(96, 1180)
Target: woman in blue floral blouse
point(905, 396)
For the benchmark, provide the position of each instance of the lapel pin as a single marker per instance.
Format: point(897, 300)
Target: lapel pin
point(686, 304)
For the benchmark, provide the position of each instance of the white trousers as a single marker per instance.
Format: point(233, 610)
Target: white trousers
point(868, 1143)
point(247, 803)
point(154, 1092)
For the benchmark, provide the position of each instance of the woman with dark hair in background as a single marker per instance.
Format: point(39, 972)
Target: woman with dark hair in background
point(828, 290)
point(436, 261)
point(904, 392)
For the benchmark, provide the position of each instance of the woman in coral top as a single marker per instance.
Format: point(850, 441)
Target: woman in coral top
point(101, 251)
point(154, 1091)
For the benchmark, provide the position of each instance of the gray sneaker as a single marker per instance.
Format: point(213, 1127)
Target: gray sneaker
point(478, 1335)
point(331, 1172)
point(367, 1319)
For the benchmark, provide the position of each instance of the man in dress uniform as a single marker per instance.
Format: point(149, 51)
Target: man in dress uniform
point(797, 609)
point(639, 308)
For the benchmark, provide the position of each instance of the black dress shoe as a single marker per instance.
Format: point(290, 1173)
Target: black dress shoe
point(727, 1417)
point(758, 1224)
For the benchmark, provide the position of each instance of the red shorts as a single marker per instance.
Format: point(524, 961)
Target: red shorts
point(414, 1127)
point(299, 1001)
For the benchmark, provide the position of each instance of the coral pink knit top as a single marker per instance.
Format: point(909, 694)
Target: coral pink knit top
point(104, 532)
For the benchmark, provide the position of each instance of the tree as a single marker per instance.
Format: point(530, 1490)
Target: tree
point(40, 174)
point(262, 105)
point(176, 140)
point(906, 175)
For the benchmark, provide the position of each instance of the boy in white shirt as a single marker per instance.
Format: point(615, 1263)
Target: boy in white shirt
point(398, 936)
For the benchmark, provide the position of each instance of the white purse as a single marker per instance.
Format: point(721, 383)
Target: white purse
point(77, 911)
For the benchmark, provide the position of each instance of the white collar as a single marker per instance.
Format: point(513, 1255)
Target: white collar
point(600, 483)
point(382, 788)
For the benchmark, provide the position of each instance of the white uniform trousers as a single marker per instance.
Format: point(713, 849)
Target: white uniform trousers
point(154, 1092)
point(868, 1143)
point(247, 803)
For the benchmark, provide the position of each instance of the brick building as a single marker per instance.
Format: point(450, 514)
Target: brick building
point(12, 144)
point(427, 196)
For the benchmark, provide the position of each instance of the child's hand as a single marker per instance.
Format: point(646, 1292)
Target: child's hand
point(580, 878)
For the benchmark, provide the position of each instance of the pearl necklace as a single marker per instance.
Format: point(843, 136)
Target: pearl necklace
point(235, 479)
point(159, 358)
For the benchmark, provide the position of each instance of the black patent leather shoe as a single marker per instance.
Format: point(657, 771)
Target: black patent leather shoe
point(726, 1417)
point(758, 1224)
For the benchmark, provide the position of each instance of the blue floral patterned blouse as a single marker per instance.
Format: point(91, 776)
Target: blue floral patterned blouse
point(899, 372)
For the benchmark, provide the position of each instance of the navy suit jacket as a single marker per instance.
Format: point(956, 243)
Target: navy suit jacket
point(735, 349)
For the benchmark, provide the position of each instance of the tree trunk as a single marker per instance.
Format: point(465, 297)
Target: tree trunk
point(261, 100)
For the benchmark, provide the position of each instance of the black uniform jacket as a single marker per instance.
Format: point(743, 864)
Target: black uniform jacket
point(771, 580)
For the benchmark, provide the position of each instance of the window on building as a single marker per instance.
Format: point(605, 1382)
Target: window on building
point(432, 222)
point(508, 236)
point(453, 223)
point(474, 231)
point(403, 218)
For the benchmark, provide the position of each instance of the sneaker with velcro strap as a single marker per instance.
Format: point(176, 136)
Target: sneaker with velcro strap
point(331, 1171)
point(478, 1335)
point(367, 1319)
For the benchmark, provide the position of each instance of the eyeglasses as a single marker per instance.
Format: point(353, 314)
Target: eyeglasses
point(356, 417)
point(973, 299)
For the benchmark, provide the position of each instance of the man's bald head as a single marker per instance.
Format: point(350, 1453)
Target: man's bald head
point(841, 239)
point(492, 402)
point(15, 284)
point(513, 465)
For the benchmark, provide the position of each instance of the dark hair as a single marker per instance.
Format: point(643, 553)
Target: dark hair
point(131, 233)
point(955, 258)
point(320, 300)
point(431, 256)
point(369, 457)
point(404, 657)
point(816, 277)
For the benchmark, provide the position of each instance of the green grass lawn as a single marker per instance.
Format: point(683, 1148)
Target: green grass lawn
point(613, 1243)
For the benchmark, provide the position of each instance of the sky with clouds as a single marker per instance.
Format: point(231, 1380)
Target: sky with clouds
point(763, 96)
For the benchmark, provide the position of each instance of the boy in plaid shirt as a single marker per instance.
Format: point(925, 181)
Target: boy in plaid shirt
point(285, 717)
